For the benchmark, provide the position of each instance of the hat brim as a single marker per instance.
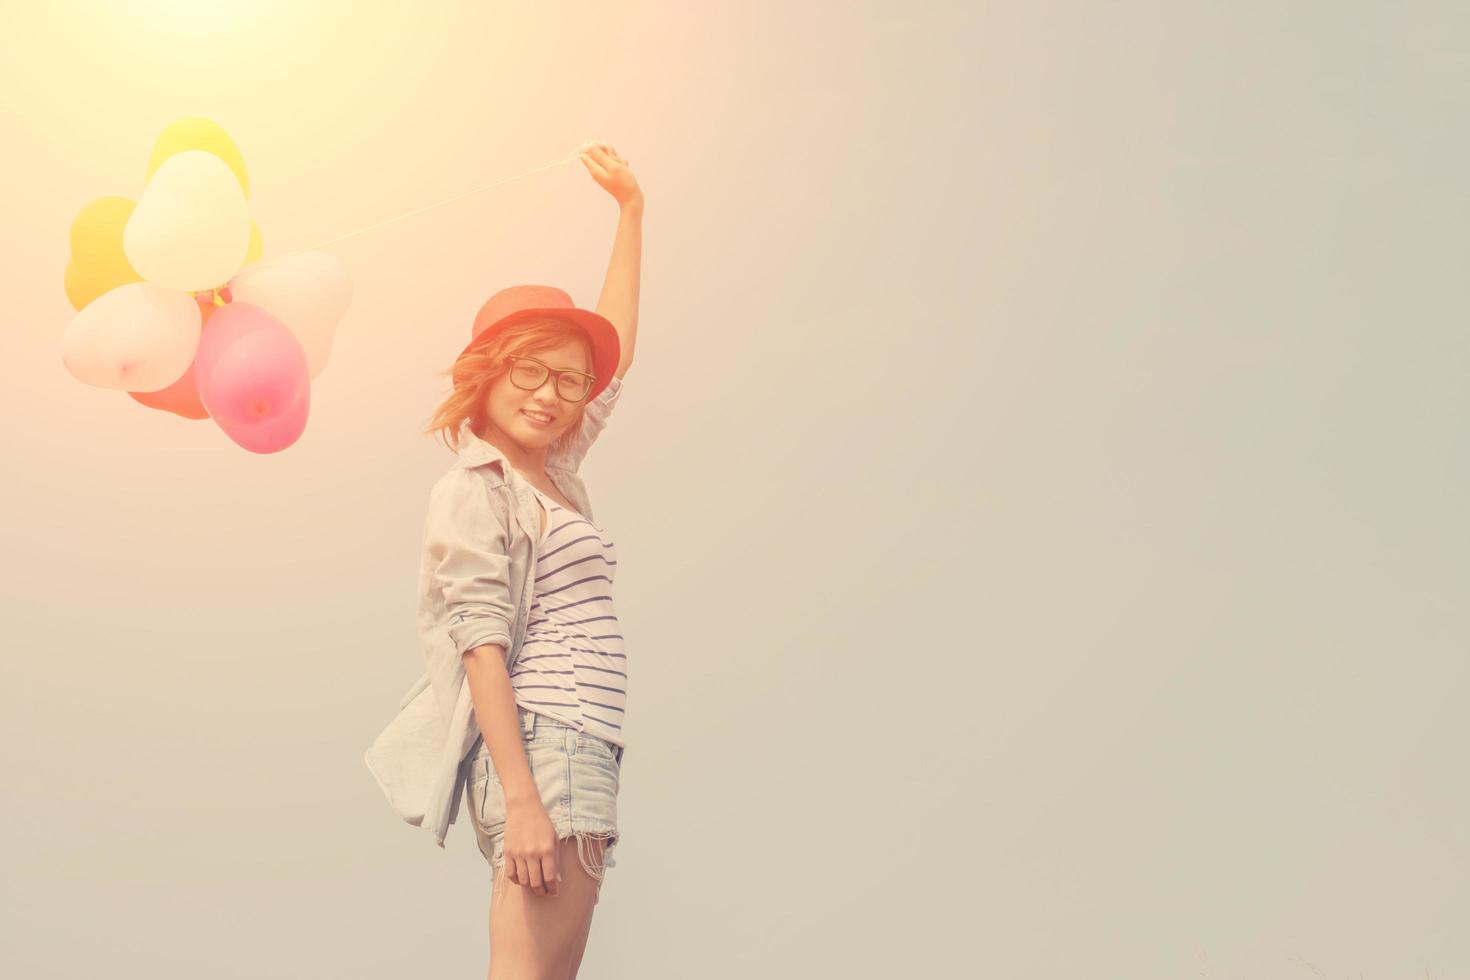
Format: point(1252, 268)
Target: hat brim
point(606, 345)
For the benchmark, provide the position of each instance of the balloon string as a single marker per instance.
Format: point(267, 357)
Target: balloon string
point(439, 204)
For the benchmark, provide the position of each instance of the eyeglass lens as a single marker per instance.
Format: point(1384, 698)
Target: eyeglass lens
point(532, 375)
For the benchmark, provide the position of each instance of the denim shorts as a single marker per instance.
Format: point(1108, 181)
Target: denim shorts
point(577, 774)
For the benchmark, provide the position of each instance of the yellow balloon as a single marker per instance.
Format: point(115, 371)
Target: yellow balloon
point(257, 246)
point(98, 262)
point(198, 133)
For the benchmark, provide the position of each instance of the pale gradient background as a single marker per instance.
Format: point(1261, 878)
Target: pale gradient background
point(1040, 489)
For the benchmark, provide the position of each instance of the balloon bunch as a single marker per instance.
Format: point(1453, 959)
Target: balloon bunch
point(177, 308)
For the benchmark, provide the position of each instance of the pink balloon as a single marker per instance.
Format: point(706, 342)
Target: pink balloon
point(253, 378)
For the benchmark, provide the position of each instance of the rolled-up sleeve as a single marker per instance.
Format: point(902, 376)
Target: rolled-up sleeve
point(466, 549)
point(594, 420)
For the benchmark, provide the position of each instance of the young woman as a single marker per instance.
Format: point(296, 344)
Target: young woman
point(517, 594)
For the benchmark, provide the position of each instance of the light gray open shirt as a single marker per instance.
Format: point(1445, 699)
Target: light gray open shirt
point(475, 587)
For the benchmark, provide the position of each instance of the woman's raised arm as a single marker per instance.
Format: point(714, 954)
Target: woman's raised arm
point(619, 299)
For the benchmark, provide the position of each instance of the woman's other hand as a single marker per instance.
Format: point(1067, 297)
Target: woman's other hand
point(612, 172)
point(531, 847)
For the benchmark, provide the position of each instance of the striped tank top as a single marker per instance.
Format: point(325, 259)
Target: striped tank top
point(572, 665)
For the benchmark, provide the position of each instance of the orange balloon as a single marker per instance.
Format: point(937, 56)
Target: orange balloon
point(181, 397)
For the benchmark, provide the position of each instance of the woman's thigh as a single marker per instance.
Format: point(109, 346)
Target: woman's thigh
point(543, 935)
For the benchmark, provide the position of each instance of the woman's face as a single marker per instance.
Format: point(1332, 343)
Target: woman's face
point(507, 405)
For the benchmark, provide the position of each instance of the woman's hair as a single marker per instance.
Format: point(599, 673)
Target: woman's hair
point(473, 374)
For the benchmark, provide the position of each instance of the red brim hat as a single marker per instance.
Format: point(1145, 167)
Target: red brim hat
point(517, 304)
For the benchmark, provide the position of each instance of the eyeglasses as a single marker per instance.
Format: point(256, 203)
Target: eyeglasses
point(530, 374)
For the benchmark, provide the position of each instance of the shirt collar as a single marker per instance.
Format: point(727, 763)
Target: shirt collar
point(474, 451)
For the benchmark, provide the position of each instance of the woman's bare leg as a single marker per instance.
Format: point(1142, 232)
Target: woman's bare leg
point(539, 937)
point(595, 846)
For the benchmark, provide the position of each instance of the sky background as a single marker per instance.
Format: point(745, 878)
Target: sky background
point(1040, 487)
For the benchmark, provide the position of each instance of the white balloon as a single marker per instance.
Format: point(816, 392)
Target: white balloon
point(191, 228)
point(307, 291)
point(137, 337)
